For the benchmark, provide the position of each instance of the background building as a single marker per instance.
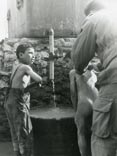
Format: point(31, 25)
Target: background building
point(3, 19)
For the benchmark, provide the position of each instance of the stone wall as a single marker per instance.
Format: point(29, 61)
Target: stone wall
point(40, 96)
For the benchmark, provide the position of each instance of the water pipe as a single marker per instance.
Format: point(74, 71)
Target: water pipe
point(51, 62)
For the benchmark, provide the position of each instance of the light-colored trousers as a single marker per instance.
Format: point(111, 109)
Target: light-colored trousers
point(104, 126)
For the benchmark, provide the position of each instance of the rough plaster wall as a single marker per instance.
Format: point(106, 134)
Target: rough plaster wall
point(50, 13)
point(17, 24)
point(3, 19)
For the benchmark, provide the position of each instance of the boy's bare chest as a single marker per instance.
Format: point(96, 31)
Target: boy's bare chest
point(26, 80)
point(20, 80)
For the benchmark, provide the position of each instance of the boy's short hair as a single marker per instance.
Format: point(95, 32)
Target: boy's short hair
point(22, 48)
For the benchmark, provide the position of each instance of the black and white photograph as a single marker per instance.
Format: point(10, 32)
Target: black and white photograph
point(58, 78)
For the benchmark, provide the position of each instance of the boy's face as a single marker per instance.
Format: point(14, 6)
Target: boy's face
point(28, 56)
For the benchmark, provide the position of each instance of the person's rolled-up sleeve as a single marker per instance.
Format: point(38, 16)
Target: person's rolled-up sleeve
point(84, 48)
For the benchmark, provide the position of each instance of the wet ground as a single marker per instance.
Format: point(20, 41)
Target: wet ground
point(6, 149)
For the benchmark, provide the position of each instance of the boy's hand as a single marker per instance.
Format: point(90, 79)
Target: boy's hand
point(44, 80)
point(32, 85)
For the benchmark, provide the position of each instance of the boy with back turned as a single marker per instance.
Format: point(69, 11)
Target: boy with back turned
point(17, 103)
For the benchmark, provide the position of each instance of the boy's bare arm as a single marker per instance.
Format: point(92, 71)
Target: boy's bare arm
point(32, 74)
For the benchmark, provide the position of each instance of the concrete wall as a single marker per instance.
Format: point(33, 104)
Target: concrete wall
point(3, 19)
point(17, 22)
point(35, 17)
point(61, 15)
point(80, 4)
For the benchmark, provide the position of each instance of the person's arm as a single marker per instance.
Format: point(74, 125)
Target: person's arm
point(32, 74)
point(84, 48)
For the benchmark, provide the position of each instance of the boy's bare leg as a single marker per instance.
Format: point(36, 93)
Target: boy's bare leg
point(82, 140)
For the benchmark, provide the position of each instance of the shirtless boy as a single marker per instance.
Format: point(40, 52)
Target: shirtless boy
point(17, 104)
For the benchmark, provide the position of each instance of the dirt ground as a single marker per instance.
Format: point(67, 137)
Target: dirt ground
point(6, 149)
